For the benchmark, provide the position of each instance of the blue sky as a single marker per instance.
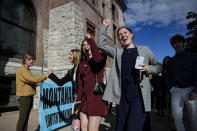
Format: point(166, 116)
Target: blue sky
point(153, 22)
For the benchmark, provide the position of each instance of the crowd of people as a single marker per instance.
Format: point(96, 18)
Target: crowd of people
point(128, 86)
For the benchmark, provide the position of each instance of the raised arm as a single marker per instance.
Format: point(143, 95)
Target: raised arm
point(96, 55)
point(102, 39)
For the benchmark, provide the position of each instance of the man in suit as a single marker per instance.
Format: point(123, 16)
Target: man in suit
point(127, 86)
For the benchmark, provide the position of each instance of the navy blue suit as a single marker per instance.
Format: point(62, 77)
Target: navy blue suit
point(131, 115)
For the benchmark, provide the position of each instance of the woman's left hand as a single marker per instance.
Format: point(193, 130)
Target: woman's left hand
point(144, 67)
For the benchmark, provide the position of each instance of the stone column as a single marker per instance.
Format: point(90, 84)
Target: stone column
point(66, 32)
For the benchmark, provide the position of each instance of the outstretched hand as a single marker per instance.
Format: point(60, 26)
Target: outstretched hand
point(49, 72)
point(107, 22)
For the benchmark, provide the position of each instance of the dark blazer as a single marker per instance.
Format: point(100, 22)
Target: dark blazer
point(68, 77)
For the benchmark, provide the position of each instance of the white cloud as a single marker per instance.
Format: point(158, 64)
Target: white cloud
point(137, 29)
point(158, 12)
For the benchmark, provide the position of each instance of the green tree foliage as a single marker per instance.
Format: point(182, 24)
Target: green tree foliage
point(191, 40)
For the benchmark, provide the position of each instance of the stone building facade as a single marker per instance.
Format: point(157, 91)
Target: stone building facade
point(49, 29)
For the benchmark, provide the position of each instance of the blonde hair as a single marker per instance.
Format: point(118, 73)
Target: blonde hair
point(76, 56)
point(27, 56)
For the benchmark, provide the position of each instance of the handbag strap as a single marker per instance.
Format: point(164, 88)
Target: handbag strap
point(96, 78)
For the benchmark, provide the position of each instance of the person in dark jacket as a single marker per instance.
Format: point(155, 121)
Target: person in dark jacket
point(181, 78)
point(72, 75)
point(92, 108)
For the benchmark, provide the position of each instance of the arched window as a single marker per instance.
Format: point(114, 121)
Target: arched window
point(17, 28)
point(113, 13)
point(103, 9)
point(90, 28)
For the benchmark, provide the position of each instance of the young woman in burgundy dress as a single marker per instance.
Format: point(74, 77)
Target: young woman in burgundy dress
point(92, 108)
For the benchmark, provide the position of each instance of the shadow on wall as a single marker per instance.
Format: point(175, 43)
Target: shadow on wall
point(7, 84)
